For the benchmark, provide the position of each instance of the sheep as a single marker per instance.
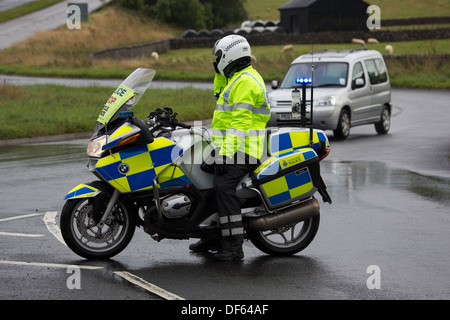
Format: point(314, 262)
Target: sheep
point(155, 55)
point(389, 49)
point(359, 41)
point(372, 40)
point(287, 48)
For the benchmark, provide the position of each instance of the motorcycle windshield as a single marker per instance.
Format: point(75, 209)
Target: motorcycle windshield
point(127, 95)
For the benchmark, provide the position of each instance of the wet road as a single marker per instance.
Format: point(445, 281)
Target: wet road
point(54, 16)
point(389, 214)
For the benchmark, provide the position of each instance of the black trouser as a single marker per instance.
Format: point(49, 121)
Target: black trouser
point(232, 228)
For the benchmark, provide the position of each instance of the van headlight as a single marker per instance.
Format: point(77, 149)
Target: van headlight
point(95, 147)
point(327, 101)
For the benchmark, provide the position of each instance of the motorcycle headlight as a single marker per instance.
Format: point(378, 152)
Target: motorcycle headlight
point(327, 101)
point(94, 148)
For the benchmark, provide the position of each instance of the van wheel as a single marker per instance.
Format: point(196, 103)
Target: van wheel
point(382, 127)
point(343, 128)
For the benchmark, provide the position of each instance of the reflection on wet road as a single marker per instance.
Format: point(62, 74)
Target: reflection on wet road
point(390, 210)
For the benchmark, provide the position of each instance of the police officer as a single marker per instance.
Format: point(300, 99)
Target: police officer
point(239, 121)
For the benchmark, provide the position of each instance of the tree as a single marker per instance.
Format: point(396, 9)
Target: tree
point(192, 14)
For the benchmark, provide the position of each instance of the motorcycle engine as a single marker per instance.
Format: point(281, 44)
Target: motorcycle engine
point(176, 206)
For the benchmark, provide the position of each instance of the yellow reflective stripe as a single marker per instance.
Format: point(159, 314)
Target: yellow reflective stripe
point(300, 139)
point(120, 184)
point(275, 187)
point(108, 160)
point(159, 143)
point(300, 190)
point(139, 163)
point(264, 164)
point(122, 130)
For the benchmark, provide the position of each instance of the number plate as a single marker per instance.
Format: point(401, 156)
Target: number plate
point(285, 116)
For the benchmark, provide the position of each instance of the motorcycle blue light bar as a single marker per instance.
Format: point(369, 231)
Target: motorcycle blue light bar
point(303, 80)
point(125, 114)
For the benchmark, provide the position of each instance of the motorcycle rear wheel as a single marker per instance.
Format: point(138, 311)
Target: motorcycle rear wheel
point(82, 234)
point(287, 240)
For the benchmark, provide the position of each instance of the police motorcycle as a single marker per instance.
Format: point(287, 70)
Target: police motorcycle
point(154, 175)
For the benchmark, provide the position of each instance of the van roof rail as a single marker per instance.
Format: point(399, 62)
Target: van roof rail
point(319, 51)
point(357, 49)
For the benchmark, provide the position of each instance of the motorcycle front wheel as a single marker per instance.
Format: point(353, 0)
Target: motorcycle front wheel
point(286, 240)
point(80, 230)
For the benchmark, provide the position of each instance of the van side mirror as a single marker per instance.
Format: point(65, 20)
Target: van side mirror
point(358, 83)
point(274, 84)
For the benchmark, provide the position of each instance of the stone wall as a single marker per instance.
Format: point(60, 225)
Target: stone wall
point(273, 38)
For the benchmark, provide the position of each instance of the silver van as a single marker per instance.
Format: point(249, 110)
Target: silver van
point(351, 88)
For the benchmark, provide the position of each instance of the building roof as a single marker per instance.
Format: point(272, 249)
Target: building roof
point(296, 4)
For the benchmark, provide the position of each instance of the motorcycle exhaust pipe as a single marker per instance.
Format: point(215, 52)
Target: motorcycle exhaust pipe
point(291, 215)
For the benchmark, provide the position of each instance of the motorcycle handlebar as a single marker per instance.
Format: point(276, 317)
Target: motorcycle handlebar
point(183, 125)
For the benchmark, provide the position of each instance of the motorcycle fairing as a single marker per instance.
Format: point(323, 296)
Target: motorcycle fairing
point(124, 131)
point(133, 169)
point(82, 191)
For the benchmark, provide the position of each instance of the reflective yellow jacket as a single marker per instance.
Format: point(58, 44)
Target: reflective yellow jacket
point(241, 113)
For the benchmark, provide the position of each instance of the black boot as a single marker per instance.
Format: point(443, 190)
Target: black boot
point(231, 249)
point(205, 245)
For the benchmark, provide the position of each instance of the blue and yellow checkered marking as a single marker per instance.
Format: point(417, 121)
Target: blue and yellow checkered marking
point(142, 164)
point(82, 191)
point(288, 187)
point(292, 141)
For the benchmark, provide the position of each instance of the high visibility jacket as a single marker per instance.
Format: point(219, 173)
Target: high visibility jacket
point(241, 113)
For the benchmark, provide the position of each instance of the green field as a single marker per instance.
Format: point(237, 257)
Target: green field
point(40, 110)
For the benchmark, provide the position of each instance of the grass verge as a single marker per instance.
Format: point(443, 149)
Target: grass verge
point(40, 110)
point(433, 71)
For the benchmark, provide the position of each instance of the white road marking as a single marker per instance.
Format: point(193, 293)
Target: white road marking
point(21, 217)
point(14, 234)
point(148, 286)
point(50, 222)
point(43, 264)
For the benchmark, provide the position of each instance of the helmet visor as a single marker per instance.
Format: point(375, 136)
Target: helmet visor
point(218, 55)
point(216, 51)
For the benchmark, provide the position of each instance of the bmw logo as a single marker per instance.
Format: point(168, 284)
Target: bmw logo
point(123, 168)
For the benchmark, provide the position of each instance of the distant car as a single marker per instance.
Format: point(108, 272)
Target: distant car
point(351, 88)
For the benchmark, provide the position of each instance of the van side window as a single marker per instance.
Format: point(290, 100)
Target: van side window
point(381, 69)
point(377, 71)
point(358, 72)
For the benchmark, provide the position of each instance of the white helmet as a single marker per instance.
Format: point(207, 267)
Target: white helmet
point(230, 50)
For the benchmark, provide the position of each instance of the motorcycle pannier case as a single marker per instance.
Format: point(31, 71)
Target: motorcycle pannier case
point(288, 176)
